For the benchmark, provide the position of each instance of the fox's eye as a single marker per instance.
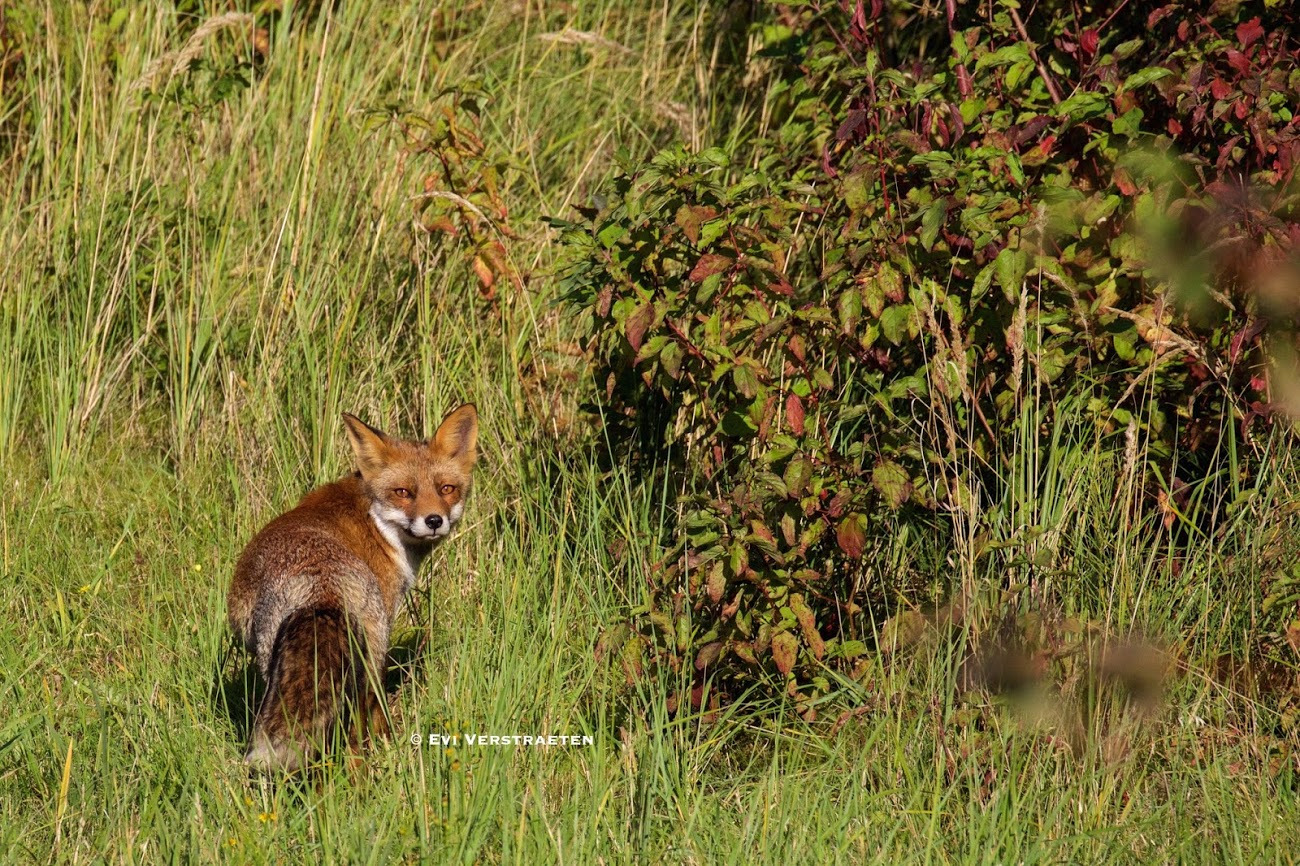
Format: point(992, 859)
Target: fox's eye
point(401, 493)
point(447, 489)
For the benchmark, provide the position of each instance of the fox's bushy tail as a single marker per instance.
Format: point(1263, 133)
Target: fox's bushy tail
point(317, 673)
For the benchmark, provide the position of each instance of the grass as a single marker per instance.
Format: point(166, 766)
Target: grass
point(197, 283)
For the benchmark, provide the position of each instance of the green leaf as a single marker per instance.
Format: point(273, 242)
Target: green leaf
point(891, 481)
point(1009, 268)
point(850, 310)
point(611, 234)
point(797, 474)
point(714, 156)
point(851, 649)
point(651, 348)
point(1018, 74)
point(1083, 105)
point(1051, 364)
point(1146, 76)
point(746, 381)
point(980, 287)
point(896, 323)
point(712, 230)
point(932, 221)
point(737, 424)
point(1126, 343)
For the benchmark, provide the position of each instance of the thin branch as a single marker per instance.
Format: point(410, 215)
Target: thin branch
point(1042, 69)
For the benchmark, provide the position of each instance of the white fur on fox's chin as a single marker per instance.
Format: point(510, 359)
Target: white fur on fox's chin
point(391, 522)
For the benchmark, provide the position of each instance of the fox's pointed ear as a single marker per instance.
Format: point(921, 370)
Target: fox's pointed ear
point(368, 443)
point(457, 436)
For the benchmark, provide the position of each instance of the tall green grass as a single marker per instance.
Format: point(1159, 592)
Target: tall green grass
point(198, 278)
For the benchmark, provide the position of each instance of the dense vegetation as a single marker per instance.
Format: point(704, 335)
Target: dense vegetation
point(930, 260)
point(886, 440)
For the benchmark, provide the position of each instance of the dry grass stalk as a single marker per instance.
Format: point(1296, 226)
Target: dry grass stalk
point(168, 66)
point(569, 36)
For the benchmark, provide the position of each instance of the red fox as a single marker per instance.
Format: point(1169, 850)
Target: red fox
point(316, 591)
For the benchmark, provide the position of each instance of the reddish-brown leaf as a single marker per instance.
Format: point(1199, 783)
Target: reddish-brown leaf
point(637, 323)
point(708, 655)
point(1124, 181)
point(710, 264)
point(785, 649)
point(690, 217)
point(716, 583)
point(794, 414)
point(851, 535)
point(1249, 32)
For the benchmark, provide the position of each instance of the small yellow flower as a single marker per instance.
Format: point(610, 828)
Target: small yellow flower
point(198, 567)
point(232, 841)
point(455, 766)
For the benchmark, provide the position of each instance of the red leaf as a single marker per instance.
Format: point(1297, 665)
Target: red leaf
point(1219, 88)
point(785, 649)
point(1243, 337)
point(715, 584)
point(486, 277)
point(1160, 14)
point(782, 287)
point(1124, 181)
point(1175, 128)
point(710, 264)
point(689, 218)
point(851, 535)
point(796, 348)
point(708, 655)
point(637, 323)
point(856, 120)
point(1238, 61)
point(1088, 42)
point(794, 414)
point(1249, 31)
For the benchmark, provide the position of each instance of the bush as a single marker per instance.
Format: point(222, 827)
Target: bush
point(847, 325)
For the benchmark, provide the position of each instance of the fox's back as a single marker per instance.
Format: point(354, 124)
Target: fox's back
point(324, 552)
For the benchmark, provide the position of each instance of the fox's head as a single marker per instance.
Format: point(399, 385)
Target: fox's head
point(417, 489)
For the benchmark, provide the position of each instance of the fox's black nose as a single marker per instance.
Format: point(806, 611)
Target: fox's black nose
point(433, 521)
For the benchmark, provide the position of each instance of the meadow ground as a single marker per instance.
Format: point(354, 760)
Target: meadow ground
point(203, 266)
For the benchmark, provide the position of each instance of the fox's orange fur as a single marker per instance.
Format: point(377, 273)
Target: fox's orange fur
point(316, 591)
